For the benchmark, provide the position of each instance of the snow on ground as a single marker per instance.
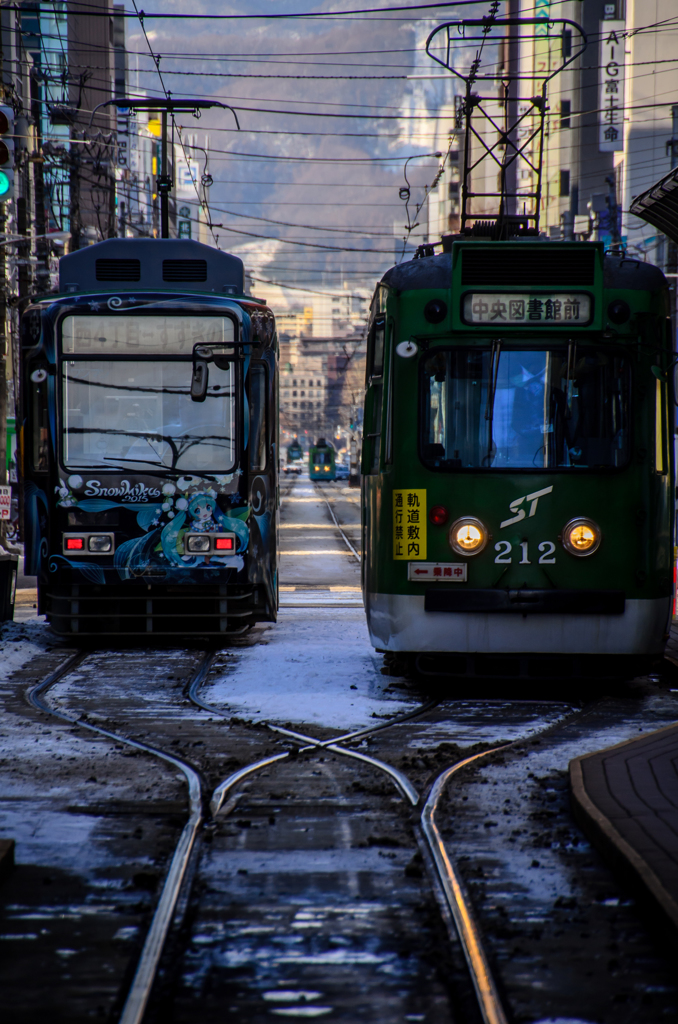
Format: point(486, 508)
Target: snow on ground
point(315, 666)
point(19, 642)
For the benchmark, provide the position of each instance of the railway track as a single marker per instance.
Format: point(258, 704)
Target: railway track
point(304, 842)
point(207, 806)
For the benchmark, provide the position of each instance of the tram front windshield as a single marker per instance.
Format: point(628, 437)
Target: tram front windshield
point(511, 408)
point(137, 413)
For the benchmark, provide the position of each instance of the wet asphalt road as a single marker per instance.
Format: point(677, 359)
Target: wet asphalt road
point(307, 895)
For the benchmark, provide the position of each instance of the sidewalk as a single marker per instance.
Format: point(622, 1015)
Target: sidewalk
point(625, 799)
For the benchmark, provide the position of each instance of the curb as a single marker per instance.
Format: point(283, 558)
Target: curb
point(606, 837)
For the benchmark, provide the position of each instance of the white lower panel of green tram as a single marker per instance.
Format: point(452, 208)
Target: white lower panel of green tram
point(399, 623)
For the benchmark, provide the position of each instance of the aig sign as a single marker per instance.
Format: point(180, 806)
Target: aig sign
point(611, 97)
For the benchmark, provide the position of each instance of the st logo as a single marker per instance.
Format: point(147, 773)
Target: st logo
point(521, 513)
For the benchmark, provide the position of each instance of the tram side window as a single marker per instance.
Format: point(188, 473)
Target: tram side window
point(39, 426)
point(497, 408)
point(257, 442)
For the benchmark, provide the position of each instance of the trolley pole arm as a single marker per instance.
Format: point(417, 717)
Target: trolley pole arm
point(164, 180)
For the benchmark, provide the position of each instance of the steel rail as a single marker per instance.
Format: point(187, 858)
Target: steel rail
point(147, 967)
point(222, 790)
point(401, 781)
point(336, 523)
point(451, 883)
point(346, 736)
point(457, 900)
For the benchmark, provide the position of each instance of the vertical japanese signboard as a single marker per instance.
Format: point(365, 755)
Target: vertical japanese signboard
point(409, 524)
point(123, 133)
point(6, 502)
point(611, 97)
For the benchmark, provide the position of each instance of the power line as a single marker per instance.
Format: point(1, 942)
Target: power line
point(292, 16)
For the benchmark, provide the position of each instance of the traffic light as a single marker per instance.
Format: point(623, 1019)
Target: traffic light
point(6, 154)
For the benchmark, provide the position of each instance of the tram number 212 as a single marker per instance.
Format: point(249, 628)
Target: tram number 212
point(546, 547)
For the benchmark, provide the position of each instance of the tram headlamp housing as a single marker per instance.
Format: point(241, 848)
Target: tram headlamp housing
point(209, 543)
point(198, 544)
point(468, 536)
point(101, 543)
point(581, 537)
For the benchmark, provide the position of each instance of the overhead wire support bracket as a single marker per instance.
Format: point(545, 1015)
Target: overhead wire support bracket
point(513, 143)
point(165, 105)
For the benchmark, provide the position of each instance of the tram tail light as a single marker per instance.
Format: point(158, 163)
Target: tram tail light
point(224, 544)
point(438, 515)
point(468, 536)
point(581, 536)
point(75, 544)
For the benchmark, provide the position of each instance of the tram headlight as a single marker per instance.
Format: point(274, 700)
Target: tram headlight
point(198, 544)
point(581, 536)
point(100, 542)
point(468, 536)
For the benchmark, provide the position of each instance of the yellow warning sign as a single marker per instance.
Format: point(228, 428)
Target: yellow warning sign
point(409, 524)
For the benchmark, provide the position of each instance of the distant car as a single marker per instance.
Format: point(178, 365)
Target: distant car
point(341, 471)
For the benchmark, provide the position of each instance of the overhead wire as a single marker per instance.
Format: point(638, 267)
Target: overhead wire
point(203, 200)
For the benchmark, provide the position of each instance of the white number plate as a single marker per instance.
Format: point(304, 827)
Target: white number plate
point(438, 572)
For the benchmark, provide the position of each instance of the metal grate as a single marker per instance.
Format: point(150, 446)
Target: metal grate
point(497, 267)
point(184, 270)
point(118, 270)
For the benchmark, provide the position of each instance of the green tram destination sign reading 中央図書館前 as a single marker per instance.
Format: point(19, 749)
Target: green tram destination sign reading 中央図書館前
point(526, 309)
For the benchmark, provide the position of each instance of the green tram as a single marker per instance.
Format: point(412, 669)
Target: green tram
point(321, 464)
point(295, 458)
point(517, 471)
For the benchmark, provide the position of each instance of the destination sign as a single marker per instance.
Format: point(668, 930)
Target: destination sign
point(558, 308)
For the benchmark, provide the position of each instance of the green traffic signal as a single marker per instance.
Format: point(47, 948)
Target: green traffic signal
point(5, 184)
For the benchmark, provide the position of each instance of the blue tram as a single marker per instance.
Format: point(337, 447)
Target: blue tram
point(149, 443)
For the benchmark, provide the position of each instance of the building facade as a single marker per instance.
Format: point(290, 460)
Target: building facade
point(610, 128)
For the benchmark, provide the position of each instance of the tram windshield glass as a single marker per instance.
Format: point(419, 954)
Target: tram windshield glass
point(136, 414)
point(501, 408)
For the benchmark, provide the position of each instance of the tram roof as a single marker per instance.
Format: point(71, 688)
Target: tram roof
point(436, 271)
point(151, 264)
point(658, 205)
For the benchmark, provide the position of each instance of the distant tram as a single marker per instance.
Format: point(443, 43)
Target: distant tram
point(321, 461)
point(295, 458)
point(517, 465)
point(149, 443)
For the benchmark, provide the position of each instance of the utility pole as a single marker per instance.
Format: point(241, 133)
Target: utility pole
point(3, 338)
point(164, 183)
point(672, 253)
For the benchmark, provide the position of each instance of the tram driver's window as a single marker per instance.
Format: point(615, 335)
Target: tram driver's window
point(507, 408)
point(257, 440)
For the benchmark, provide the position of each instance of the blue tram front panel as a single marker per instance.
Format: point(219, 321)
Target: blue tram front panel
point(149, 460)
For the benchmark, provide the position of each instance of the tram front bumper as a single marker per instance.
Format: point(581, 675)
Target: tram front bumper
point(399, 622)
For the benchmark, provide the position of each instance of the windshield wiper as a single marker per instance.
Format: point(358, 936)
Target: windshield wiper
point(491, 391)
point(145, 462)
